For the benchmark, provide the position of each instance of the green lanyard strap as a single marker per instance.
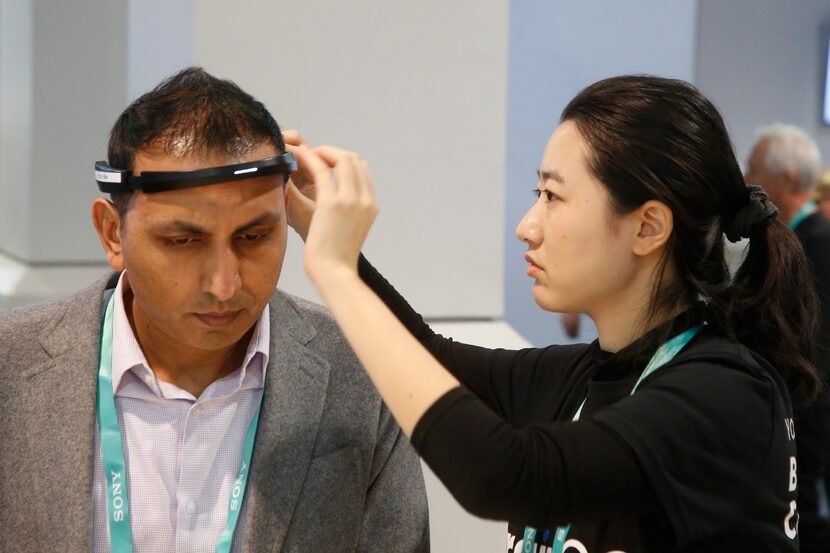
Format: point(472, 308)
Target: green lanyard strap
point(806, 210)
point(112, 452)
point(112, 449)
point(665, 353)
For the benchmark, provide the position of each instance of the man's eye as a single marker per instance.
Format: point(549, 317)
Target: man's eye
point(254, 237)
point(180, 241)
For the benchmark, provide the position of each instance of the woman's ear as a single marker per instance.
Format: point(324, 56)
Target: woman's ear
point(107, 222)
point(654, 223)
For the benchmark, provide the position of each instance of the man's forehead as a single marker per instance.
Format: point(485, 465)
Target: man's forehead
point(195, 222)
point(151, 159)
point(759, 151)
point(233, 191)
point(206, 219)
point(221, 207)
point(265, 193)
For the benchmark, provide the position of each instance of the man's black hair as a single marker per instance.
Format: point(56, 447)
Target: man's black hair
point(191, 113)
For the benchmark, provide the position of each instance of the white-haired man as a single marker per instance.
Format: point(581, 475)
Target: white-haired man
point(786, 162)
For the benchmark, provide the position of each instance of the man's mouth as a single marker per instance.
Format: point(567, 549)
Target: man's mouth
point(218, 318)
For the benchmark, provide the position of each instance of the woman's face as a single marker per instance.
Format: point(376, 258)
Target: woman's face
point(579, 252)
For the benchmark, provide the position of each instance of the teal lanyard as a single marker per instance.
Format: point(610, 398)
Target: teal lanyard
point(112, 451)
point(802, 214)
point(663, 355)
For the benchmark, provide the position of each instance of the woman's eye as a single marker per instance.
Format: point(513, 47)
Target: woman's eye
point(549, 196)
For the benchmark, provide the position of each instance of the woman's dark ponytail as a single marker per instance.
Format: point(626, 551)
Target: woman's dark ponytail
point(652, 138)
point(771, 306)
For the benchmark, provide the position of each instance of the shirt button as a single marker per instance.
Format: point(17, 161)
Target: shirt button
point(196, 411)
point(190, 507)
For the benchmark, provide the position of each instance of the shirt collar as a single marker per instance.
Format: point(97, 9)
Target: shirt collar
point(127, 354)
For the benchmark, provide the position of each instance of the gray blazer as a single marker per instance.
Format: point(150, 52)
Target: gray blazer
point(331, 470)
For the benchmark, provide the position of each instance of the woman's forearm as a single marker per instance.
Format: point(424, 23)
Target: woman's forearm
point(407, 376)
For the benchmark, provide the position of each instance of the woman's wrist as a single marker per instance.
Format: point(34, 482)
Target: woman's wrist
point(332, 278)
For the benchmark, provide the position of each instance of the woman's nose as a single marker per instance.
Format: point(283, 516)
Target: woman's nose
point(529, 230)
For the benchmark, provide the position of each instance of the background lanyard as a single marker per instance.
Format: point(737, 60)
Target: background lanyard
point(663, 355)
point(112, 452)
point(802, 214)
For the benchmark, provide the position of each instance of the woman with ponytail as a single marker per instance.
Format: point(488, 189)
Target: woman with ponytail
point(673, 431)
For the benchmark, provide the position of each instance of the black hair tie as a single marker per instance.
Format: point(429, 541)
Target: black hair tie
point(757, 210)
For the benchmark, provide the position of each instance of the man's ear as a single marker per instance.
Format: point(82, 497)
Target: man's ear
point(790, 181)
point(654, 223)
point(108, 223)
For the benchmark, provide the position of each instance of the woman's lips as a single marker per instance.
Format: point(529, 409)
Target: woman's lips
point(217, 319)
point(533, 267)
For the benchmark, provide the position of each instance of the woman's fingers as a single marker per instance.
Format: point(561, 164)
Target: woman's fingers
point(293, 137)
point(346, 178)
point(353, 176)
point(344, 214)
point(369, 184)
point(318, 170)
point(301, 178)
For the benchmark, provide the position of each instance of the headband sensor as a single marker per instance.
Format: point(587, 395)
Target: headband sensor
point(112, 180)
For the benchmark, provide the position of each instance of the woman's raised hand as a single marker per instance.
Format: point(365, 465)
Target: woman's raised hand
point(300, 191)
point(345, 211)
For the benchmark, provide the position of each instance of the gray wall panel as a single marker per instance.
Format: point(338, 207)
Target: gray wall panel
point(419, 89)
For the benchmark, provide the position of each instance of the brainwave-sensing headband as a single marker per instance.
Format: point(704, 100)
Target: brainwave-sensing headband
point(112, 180)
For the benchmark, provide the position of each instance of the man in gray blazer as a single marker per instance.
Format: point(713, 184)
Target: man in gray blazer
point(181, 393)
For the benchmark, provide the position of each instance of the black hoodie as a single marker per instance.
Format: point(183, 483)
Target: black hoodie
point(700, 458)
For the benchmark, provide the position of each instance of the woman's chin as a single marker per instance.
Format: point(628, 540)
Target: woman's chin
point(545, 300)
point(552, 300)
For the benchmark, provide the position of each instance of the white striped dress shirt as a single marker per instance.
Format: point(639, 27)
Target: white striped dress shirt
point(182, 453)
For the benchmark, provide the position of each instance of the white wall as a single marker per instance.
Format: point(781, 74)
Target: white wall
point(15, 123)
point(159, 42)
point(62, 68)
point(419, 89)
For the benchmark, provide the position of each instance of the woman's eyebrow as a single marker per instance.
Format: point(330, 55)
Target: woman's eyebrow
point(550, 175)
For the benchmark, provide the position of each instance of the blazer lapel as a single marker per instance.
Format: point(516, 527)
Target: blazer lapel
point(295, 394)
point(59, 406)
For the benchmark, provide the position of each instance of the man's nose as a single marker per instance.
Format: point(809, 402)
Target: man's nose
point(221, 278)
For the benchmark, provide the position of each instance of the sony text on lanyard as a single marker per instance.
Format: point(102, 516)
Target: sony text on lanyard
point(112, 452)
